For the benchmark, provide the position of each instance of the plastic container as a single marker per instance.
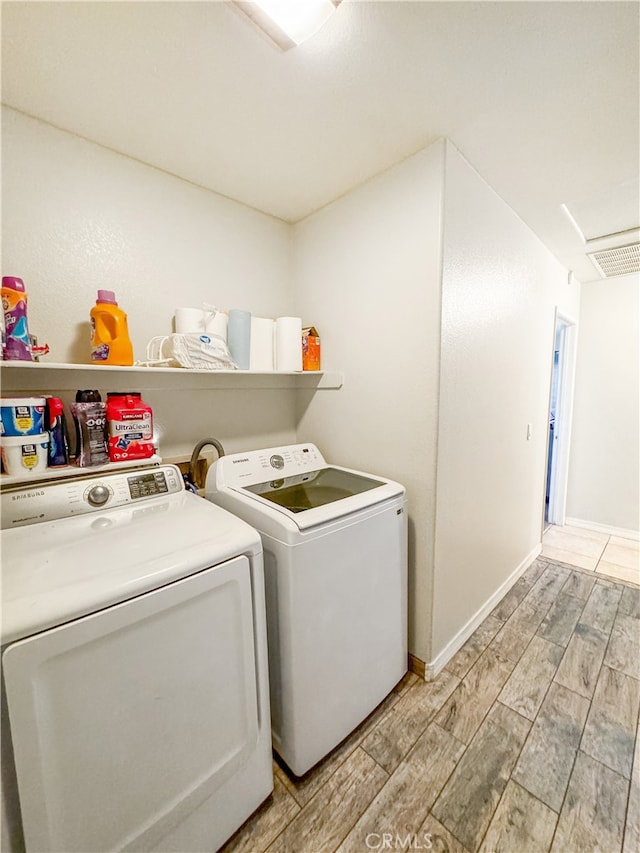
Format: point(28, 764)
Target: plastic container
point(90, 419)
point(24, 454)
point(130, 426)
point(239, 337)
point(17, 345)
point(58, 453)
point(22, 415)
point(110, 342)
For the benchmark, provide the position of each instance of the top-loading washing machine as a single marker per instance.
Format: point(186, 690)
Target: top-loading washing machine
point(135, 686)
point(335, 554)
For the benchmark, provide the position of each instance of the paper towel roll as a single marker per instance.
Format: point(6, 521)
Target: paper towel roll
point(262, 331)
point(239, 337)
point(216, 324)
point(288, 343)
point(189, 320)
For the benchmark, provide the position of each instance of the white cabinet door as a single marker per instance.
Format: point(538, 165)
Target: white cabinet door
point(125, 721)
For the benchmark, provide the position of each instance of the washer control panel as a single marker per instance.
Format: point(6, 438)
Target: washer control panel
point(86, 493)
point(261, 465)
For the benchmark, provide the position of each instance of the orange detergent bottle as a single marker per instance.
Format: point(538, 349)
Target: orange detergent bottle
point(110, 342)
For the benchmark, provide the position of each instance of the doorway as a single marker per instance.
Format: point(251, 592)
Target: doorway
point(560, 407)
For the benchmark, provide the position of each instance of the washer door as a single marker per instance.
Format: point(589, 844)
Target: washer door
point(125, 721)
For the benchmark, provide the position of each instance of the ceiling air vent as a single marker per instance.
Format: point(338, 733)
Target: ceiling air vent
point(620, 261)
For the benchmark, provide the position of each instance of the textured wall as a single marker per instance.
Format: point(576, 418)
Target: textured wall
point(499, 293)
point(367, 273)
point(78, 217)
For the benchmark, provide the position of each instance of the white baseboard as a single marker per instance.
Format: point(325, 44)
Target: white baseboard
point(440, 661)
point(622, 532)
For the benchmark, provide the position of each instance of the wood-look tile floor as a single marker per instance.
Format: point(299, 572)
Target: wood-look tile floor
point(525, 742)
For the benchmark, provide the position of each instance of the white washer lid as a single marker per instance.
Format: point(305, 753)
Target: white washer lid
point(307, 519)
point(60, 570)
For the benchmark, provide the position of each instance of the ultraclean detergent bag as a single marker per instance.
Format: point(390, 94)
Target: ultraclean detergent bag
point(130, 427)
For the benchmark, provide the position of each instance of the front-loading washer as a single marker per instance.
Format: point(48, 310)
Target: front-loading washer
point(335, 554)
point(135, 686)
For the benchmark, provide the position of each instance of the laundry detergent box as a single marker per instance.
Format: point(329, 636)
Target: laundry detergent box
point(310, 348)
point(130, 427)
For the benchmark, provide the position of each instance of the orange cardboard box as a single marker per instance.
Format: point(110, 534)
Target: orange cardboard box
point(310, 348)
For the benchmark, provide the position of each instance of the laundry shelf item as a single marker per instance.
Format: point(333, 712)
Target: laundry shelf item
point(32, 376)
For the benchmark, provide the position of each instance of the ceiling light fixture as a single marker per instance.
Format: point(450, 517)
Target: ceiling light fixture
point(288, 22)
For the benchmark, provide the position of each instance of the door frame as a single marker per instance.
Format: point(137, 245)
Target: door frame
point(556, 512)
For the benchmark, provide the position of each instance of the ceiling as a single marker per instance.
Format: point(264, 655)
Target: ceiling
point(541, 97)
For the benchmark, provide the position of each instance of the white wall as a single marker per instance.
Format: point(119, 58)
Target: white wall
point(367, 274)
point(499, 292)
point(78, 217)
point(604, 469)
point(447, 354)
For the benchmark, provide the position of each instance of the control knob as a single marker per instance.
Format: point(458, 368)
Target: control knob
point(98, 495)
